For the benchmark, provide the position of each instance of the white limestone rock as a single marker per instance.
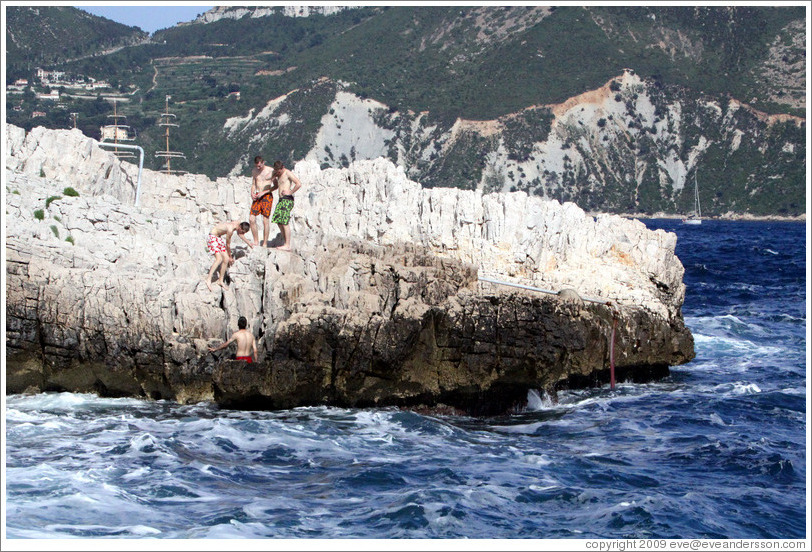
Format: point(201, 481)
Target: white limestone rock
point(156, 252)
point(509, 236)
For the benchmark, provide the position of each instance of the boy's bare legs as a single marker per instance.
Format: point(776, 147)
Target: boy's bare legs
point(219, 259)
point(252, 220)
point(214, 266)
point(224, 264)
point(285, 229)
point(266, 230)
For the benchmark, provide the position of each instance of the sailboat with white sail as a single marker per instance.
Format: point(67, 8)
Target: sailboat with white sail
point(696, 216)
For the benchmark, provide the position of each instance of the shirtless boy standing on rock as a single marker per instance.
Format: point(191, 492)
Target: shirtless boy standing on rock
point(246, 344)
point(288, 185)
point(262, 200)
point(220, 247)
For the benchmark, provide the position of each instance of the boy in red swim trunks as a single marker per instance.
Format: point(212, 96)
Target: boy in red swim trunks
point(246, 344)
point(219, 244)
point(262, 200)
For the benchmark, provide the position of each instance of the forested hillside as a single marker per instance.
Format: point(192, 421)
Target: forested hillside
point(49, 36)
point(615, 108)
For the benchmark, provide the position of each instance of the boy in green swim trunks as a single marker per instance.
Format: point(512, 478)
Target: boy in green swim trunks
point(288, 185)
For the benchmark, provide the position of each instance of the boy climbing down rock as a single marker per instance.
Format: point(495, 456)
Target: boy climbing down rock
point(219, 245)
point(246, 344)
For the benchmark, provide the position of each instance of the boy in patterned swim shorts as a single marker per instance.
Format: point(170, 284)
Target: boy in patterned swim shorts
point(288, 185)
point(218, 243)
point(262, 185)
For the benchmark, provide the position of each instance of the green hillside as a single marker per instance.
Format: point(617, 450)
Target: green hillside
point(443, 63)
point(51, 35)
point(403, 57)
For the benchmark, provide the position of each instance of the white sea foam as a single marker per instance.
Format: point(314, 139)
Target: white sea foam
point(66, 401)
point(539, 401)
point(103, 530)
point(22, 418)
point(237, 530)
point(725, 326)
point(376, 422)
point(138, 473)
point(439, 515)
point(536, 459)
point(746, 389)
point(142, 441)
point(721, 345)
point(541, 488)
point(734, 388)
point(527, 429)
point(727, 389)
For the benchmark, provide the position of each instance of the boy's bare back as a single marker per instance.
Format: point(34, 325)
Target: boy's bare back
point(245, 342)
point(220, 228)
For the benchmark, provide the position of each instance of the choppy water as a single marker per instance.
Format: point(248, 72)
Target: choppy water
point(717, 450)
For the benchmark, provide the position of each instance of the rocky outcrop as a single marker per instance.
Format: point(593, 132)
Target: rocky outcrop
point(380, 303)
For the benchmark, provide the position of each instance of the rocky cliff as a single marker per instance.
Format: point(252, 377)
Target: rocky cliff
point(380, 303)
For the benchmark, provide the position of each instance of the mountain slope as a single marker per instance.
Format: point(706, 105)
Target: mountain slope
point(631, 145)
point(44, 35)
point(613, 108)
point(484, 62)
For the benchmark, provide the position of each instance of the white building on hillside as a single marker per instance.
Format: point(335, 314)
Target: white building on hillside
point(52, 95)
point(114, 133)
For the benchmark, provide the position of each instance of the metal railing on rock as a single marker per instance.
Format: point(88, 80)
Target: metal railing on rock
point(140, 165)
point(531, 288)
point(590, 299)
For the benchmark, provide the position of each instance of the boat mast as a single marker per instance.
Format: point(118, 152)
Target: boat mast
point(167, 119)
point(118, 131)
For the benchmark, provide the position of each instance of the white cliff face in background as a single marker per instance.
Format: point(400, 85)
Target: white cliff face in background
point(510, 237)
point(629, 146)
point(612, 140)
point(255, 126)
point(348, 132)
point(237, 12)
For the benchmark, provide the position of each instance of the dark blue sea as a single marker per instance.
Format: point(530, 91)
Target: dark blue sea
point(717, 450)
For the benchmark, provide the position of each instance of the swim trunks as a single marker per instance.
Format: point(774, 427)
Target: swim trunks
point(281, 214)
point(262, 205)
point(247, 359)
point(216, 244)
